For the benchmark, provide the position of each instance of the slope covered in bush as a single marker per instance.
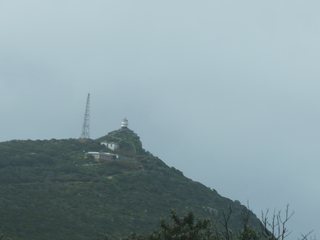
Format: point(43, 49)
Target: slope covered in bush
point(51, 191)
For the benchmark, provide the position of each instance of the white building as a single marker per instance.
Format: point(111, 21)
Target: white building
point(111, 145)
point(102, 156)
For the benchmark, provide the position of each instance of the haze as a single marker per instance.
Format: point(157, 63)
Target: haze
point(225, 91)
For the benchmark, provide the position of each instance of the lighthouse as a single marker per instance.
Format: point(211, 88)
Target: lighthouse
point(124, 123)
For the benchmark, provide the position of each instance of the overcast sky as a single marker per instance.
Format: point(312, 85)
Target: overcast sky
point(225, 91)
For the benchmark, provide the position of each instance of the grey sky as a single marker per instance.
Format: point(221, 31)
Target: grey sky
point(227, 92)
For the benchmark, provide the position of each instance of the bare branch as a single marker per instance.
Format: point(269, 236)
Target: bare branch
point(304, 237)
point(225, 222)
point(277, 227)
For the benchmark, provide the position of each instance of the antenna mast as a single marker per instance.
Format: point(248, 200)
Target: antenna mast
point(86, 122)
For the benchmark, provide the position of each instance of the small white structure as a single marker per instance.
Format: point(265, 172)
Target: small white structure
point(111, 145)
point(102, 156)
point(124, 123)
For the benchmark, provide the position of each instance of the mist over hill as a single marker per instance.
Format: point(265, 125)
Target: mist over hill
point(54, 189)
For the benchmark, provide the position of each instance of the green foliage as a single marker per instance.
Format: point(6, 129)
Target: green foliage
point(129, 142)
point(187, 228)
point(178, 228)
point(2, 237)
point(50, 191)
point(248, 233)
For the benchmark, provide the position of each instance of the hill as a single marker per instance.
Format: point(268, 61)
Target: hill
point(50, 190)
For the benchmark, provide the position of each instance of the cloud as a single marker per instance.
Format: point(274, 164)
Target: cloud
point(225, 92)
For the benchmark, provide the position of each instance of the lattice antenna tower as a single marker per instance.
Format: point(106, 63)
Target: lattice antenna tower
point(86, 122)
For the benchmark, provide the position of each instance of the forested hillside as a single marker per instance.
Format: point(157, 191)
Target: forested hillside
point(49, 190)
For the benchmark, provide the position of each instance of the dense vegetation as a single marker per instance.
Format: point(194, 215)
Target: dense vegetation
point(190, 228)
point(49, 190)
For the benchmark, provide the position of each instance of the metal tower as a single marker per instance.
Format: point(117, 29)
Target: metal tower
point(86, 122)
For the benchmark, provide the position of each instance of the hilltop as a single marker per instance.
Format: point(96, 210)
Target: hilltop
point(52, 189)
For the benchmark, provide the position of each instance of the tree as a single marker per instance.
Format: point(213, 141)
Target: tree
point(187, 228)
point(180, 228)
point(2, 237)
